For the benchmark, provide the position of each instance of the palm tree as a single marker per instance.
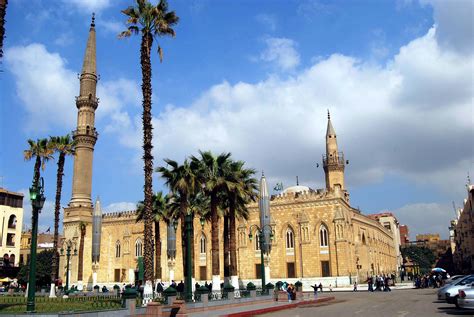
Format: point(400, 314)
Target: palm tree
point(182, 183)
point(160, 212)
point(3, 11)
point(64, 145)
point(42, 152)
point(80, 267)
point(213, 176)
point(152, 22)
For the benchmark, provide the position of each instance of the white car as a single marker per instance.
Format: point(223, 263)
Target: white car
point(453, 279)
point(450, 291)
point(466, 297)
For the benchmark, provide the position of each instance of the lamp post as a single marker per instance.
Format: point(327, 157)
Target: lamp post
point(261, 242)
point(37, 201)
point(68, 257)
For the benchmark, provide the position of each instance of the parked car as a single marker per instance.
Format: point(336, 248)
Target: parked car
point(451, 290)
point(466, 297)
point(452, 279)
point(447, 288)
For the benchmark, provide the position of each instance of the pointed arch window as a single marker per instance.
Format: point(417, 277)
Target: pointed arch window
point(117, 249)
point(203, 244)
point(138, 248)
point(290, 239)
point(323, 236)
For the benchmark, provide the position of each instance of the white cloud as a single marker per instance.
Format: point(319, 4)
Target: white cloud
point(455, 23)
point(120, 206)
point(426, 218)
point(281, 52)
point(390, 120)
point(47, 88)
point(89, 6)
point(267, 20)
point(111, 26)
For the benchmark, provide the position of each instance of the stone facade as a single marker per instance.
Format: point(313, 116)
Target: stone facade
point(11, 220)
point(463, 235)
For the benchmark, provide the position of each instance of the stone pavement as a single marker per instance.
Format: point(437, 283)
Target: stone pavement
point(261, 308)
point(399, 303)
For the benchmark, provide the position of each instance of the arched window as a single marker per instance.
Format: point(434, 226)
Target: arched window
point(290, 239)
point(203, 244)
point(323, 236)
point(138, 248)
point(117, 249)
point(12, 222)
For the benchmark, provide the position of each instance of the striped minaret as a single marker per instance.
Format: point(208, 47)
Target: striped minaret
point(96, 231)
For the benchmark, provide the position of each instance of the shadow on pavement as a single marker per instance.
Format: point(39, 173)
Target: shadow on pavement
point(451, 310)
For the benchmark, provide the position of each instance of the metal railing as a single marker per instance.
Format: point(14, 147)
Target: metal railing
point(17, 304)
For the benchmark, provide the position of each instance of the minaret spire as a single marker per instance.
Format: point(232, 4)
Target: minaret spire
point(264, 207)
point(333, 161)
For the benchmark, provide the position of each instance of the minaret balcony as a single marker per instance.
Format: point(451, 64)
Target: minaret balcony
point(333, 160)
point(87, 101)
point(80, 131)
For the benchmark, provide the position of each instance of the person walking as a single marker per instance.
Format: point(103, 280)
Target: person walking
point(289, 290)
point(355, 287)
point(370, 282)
point(315, 288)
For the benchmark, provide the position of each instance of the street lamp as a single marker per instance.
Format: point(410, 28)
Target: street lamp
point(261, 241)
point(37, 201)
point(188, 288)
point(68, 257)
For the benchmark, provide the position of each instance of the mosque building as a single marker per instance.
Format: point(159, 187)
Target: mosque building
point(317, 235)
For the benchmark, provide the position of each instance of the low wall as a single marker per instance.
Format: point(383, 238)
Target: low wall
point(334, 281)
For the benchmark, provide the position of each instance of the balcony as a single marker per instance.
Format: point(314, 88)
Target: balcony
point(333, 160)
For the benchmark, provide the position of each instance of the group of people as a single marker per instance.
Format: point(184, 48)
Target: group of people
point(429, 280)
point(381, 283)
point(290, 290)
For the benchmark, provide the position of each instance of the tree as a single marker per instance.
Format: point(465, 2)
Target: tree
point(420, 255)
point(160, 212)
point(80, 267)
point(3, 11)
point(182, 182)
point(152, 22)
point(43, 269)
point(42, 152)
point(213, 176)
point(63, 145)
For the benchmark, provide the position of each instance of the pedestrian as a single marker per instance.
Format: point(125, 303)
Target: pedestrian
point(180, 287)
point(355, 287)
point(330, 287)
point(315, 288)
point(370, 282)
point(289, 290)
point(321, 287)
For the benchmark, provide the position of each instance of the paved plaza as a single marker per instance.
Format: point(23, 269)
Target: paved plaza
point(398, 303)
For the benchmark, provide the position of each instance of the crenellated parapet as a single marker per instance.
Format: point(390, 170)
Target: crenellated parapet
point(120, 215)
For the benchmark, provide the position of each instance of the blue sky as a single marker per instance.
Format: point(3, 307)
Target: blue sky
point(255, 78)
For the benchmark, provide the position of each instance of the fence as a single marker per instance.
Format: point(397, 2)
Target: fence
point(44, 304)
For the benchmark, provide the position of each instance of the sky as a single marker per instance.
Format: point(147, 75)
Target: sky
point(256, 78)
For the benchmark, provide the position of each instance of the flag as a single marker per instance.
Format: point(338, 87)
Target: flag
point(49, 229)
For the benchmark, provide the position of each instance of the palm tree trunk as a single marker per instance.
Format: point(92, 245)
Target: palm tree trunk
point(214, 236)
point(145, 49)
point(3, 11)
point(80, 266)
point(157, 250)
point(226, 246)
point(233, 240)
point(57, 207)
point(36, 174)
point(182, 213)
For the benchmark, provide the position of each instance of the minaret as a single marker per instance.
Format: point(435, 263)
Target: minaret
point(333, 161)
point(79, 212)
point(85, 135)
